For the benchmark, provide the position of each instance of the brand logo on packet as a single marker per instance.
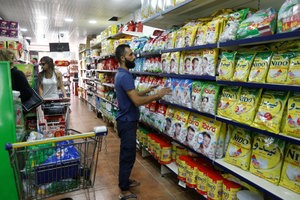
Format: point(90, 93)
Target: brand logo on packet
point(208, 127)
point(240, 139)
point(294, 155)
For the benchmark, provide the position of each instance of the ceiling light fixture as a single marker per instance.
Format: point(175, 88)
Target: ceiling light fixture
point(43, 17)
point(23, 29)
point(68, 19)
point(29, 38)
point(92, 21)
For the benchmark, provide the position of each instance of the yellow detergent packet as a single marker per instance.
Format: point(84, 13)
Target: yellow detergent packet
point(246, 105)
point(169, 123)
point(270, 111)
point(290, 175)
point(260, 67)
point(267, 157)
point(229, 97)
point(226, 66)
point(293, 76)
point(174, 62)
point(292, 120)
point(278, 68)
point(243, 66)
point(239, 148)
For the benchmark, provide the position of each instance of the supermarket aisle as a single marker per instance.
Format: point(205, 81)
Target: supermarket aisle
point(146, 170)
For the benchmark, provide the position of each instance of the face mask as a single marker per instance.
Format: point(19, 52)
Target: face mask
point(129, 64)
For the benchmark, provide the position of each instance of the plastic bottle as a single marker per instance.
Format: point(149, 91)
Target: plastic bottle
point(20, 129)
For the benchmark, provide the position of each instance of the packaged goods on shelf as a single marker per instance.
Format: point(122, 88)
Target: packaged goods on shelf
point(214, 185)
point(168, 83)
point(196, 94)
point(209, 61)
point(230, 190)
point(200, 37)
point(243, 66)
point(279, 67)
point(232, 25)
point(246, 105)
point(270, 111)
point(180, 35)
point(239, 149)
point(212, 32)
point(288, 16)
point(208, 136)
point(190, 33)
point(180, 125)
point(291, 125)
point(165, 58)
point(290, 175)
point(170, 43)
point(226, 66)
point(229, 97)
point(3, 44)
point(174, 62)
point(170, 123)
point(267, 158)
point(193, 130)
point(191, 62)
point(209, 96)
point(220, 152)
point(293, 75)
point(260, 67)
point(261, 23)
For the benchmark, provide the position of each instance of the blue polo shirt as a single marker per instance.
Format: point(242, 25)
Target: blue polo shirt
point(124, 81)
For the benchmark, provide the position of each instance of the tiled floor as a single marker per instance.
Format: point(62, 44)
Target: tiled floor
point(146, 170)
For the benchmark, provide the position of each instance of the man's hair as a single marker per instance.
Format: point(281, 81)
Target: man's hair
point(120, 51)
point(35, 59)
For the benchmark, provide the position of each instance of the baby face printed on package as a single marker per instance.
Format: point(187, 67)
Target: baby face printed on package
point(176, 91)
point(200, 35)
point(174, 62)
point(196, 95)
point(185, 95)
point(193, 131)
point(196, 62)
point(169, 122)
point(208, 136)
point(165, 62)
point(180, 128)
point(209, 97)
point(209, 61)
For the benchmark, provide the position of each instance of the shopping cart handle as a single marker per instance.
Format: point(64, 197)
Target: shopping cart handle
point(100, 130)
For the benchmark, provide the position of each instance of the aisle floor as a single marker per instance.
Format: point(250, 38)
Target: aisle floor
point(146, 170)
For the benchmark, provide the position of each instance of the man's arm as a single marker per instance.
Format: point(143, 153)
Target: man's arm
point(142, 100)
point(150, 89)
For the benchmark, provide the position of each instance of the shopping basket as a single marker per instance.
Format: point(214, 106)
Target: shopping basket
point(52, 166)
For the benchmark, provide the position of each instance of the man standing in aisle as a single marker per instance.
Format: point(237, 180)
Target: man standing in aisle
point(128, 115)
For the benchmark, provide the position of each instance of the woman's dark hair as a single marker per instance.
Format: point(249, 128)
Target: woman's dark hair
point(120, 51)
point(48, 61)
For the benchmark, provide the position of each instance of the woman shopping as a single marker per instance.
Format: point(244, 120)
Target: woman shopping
point(50, 80)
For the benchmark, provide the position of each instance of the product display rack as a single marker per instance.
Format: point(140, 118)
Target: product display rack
point(277, 192)
point(162, 20)
point(237, 124)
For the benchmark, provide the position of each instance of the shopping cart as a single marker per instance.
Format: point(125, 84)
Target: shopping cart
point(53, 116)
point(52, 166)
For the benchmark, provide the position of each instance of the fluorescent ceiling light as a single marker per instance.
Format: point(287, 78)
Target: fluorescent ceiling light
point(29, 38)
point(23, 29)
point(92, 21)
point(43, 17)
point(68, 19)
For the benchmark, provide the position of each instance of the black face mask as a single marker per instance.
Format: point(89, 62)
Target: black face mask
point(129, 64)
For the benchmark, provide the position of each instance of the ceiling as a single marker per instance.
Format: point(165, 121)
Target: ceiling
point(45, 19)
